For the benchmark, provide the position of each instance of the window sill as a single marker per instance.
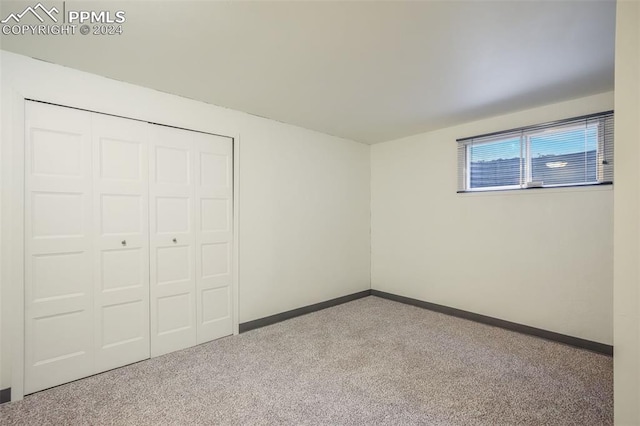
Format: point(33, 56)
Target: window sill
point(606, 186)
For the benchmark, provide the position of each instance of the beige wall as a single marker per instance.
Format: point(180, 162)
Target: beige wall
point(627, 216)
point(304, 196)
point(537, 257)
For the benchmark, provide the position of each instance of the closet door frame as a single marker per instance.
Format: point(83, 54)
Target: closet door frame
point(12, 183)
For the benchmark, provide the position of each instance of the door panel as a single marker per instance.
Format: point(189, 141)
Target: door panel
point(121, 159)
point(214, 214)
point(56, 151)
point(58, 246)
point(123, 268)
point(173, 158)
point(173, 215)
point(174, 265)
point(177, 313)
point(172, 240)
point(213, 192)
point(121, 259)
point(123, 214)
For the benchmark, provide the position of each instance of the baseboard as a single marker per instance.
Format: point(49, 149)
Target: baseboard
point(525, 329)
point(5, 395)
point(261, 322)
point(484, 319)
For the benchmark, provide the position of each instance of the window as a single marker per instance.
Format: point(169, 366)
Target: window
point(576, 151)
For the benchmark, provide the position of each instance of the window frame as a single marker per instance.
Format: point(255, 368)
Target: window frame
point(526, 164)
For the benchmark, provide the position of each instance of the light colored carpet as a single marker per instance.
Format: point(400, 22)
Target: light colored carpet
point(371, 361)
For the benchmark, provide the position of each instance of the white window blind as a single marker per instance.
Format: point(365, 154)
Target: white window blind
point(576, 151)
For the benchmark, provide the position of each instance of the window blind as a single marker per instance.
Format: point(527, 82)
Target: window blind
point(576, 151)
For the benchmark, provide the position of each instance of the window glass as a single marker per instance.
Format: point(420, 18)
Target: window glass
point(564, 157)
point(495, 163)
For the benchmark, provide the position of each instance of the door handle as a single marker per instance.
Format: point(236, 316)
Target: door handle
point(124, 243)
point(175, 240)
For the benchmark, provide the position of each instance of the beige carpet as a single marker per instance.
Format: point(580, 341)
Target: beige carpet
point(371, 361)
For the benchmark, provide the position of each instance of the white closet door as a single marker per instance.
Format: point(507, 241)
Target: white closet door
point(172, 241)
point(214, 194)
point(58, 244)
point(121, 229)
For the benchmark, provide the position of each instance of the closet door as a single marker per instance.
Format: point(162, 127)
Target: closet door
point(172, 240)
point(128, 242)
point(121, 231)
point(58, 246)
point(214, 201)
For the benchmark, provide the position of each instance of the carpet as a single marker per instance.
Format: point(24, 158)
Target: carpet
point(370, 361)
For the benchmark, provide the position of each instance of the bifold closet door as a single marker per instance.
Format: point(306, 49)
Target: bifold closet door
point(128, 242)
point(121, 232)
point(172, 240)
point(214, 236)
point(191, 206)
point(86, 244)
point(58, 246)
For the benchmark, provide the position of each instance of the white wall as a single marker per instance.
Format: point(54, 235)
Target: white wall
point(540, 257)
point(627, 217)
point(304, 196)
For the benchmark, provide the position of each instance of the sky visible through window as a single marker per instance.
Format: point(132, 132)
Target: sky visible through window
point(544, 144)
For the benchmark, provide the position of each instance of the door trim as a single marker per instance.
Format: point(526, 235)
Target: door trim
point(13, 162)
point(235, 299)
point(15, 303)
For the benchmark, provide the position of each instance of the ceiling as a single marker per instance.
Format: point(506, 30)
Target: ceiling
point(367, 71)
